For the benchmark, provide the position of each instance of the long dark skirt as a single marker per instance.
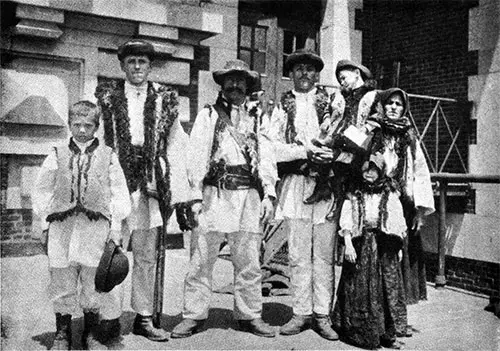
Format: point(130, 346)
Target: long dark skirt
point(370, 305)
point(413, 263)
point(358, 315)
point(395, 313)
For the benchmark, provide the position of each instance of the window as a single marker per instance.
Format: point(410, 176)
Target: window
point(387, 74)
point(293, 41)
point(252, 46)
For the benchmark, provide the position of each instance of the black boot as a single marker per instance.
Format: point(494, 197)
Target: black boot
point(62, 340)
point(322, 190)
point(90, 335)
point(143, 325)
point(110, 330)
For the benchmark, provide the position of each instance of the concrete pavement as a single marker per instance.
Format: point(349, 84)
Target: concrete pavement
point(448, 320)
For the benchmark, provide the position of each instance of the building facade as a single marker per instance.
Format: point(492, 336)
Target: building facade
point(446, 54)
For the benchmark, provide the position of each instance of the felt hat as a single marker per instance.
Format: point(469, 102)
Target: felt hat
point(343, 64)
point(136, 47)
point(238, 67)
point(304, 56)
point(113, 268)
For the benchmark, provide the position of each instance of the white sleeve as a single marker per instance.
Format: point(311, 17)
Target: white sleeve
point(199, 148)
point(346, 223)
point(43, 191)
point(422, 187)
point(120, 199)
point(276, 132)
point(268, 170)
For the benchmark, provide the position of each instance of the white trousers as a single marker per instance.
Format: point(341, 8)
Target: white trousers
point(245, 250)
point(311, 259)
point(144, 270)
point(112, 303)
point(63, 289)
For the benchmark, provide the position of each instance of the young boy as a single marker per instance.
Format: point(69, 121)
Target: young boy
point(82, 195)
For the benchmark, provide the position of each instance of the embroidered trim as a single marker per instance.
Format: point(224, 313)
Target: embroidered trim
point(79, 208)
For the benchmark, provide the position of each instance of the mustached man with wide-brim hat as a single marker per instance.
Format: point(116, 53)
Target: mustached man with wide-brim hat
point(141, 122)
point(293, 126)
point(233, 175)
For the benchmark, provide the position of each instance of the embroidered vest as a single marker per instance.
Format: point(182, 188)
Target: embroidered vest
point(82, 182)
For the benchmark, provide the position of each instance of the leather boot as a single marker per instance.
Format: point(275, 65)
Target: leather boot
point(297, 324)
point(186, 328)
point(143, 325)
point(258, 327)
point(90, 335)
point(110, 330)
point(323, 326)
point(322, 191)
point(62, 340)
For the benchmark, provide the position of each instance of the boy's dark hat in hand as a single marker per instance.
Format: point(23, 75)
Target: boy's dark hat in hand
point(113, 268)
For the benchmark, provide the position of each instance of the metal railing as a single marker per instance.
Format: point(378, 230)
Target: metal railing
point(437, 117)
point(442, 180)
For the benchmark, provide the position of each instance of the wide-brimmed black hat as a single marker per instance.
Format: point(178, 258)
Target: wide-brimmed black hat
point(113, 268)
point(304, 56)
point(239, 67)
point(343, 64)
point(136, 47)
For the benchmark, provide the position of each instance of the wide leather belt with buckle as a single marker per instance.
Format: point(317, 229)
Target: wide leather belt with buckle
point(234, 178)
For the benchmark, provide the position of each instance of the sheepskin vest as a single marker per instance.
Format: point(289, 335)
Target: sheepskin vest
point(82, 182)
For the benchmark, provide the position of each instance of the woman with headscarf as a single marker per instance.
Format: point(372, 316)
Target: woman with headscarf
point(401, 147)
point(397, 141)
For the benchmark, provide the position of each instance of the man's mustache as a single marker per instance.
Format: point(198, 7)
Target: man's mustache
point(234, 89)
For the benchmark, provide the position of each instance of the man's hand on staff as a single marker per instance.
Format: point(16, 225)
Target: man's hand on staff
point(321, 155)
point(266, 210)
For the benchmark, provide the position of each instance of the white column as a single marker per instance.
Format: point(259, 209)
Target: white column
point(339, 40)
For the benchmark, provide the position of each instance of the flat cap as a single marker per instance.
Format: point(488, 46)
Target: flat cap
point(136, 47)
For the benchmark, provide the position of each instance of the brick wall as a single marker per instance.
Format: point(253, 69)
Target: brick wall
point(429, 39)
point(477, 276)
point(15, 224)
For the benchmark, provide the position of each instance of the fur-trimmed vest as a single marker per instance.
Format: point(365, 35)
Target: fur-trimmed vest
point(288, 103)
point(82, 182)
point(141, 165)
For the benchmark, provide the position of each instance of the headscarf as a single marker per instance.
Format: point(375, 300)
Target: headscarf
point(395, 126)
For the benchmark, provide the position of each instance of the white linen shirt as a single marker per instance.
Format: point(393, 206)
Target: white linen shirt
point(136, 98)
point(77, 238)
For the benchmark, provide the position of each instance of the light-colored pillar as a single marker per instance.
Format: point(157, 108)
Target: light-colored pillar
point(334, 38)
point(339, 40)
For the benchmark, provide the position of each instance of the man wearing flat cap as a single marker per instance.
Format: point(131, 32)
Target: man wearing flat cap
point(233, 173)
point(293, 126)
point(140, 120)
